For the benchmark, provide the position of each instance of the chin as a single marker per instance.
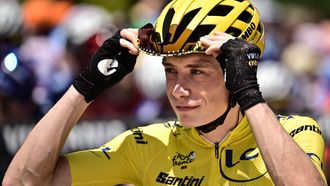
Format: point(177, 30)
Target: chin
point(190, 122)
point(196, 120)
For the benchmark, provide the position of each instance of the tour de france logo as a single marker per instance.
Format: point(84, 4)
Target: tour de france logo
point(183, 160)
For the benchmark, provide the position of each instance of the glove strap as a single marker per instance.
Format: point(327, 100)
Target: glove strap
point(85, 87)
point(249, 98)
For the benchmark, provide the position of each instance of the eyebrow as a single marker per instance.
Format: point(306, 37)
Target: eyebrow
point(197, 65)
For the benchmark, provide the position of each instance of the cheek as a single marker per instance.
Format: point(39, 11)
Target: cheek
point(216, 94)
point(169, 90)
point(169, 87)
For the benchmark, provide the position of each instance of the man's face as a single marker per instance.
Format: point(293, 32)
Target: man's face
point(196, 89)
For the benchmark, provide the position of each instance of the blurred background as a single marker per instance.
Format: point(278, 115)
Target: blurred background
point(45, 43)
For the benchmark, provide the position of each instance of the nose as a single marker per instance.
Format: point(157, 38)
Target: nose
point(180, 92)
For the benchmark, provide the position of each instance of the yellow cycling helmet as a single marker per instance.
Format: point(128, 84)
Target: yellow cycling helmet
point(182, 22)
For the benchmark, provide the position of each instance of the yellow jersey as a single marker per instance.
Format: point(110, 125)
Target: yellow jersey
point(169, 154)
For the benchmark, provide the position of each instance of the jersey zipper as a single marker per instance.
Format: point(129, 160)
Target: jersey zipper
point(216, 147)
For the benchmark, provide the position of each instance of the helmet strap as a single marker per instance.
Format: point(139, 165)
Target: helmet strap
point(220, 120)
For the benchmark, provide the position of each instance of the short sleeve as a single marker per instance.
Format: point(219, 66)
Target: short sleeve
point(106, 165)
point(308, 135)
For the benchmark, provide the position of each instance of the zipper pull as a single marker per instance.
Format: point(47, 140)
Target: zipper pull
point(216, 145)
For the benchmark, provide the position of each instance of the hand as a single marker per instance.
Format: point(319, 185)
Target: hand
point(240, 59)
point(111, 63)
point(214, 42)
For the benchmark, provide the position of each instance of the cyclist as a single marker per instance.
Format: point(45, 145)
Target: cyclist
point(225, 133)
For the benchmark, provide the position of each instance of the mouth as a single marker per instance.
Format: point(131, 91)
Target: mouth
point(185, 108)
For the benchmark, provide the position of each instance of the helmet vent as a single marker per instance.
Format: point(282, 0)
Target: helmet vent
point(200, 31)
point(251, 6)
point(240, 0)
point(259, 28)
point(220, 10)
point(245, 17)
point(185, 22)
point(233, 31)
point(167, 23)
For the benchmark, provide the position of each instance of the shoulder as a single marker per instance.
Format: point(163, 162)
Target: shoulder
point(297, 125)
point(148, 134)
point(306, 132)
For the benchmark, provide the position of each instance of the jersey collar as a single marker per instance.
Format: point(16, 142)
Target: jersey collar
point(240, 131)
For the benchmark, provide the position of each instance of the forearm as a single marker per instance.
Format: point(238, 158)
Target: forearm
point(35, 161)
point(286, 162)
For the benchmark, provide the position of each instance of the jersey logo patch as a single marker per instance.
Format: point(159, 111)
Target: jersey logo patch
point(244, 156)
point(183, 160)
point(105, 151)
point(312, 128)
point(107, 66)
point(138, 136)
point(316, 159)
point(242, 166)
point(165, 178)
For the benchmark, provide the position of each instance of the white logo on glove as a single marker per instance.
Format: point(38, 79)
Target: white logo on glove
point(107, 66)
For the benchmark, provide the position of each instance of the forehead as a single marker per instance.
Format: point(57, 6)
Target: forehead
point(199, 60)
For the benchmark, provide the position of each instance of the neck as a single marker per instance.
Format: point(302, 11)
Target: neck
point(218, 134)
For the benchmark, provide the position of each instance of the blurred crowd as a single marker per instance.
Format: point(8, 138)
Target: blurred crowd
point(45, 43)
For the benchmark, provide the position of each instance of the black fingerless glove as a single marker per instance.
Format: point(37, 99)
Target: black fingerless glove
point(240, 60)
point(110, 64)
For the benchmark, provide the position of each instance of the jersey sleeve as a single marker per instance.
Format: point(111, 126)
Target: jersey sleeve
point(109, 164)
point(308, 135)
